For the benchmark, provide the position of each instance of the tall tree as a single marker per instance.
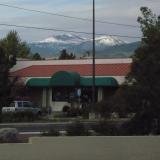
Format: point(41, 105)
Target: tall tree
point(36, 56)
point(65, 55)
point(23, 50)
point(13, 45)
point(143, 82)
point(6, 84)
point(10, 48)
point(9, 45)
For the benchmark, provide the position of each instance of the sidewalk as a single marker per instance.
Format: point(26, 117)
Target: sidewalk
point(84, 148)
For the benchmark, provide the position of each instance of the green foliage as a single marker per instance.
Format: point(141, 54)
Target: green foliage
point(23, 50)
point(8, 135)
point(18, 117)
point(141, 124)
point(6, 84)
point(36, 56)
point(11, 47)
point(65, 55)
point(14, 47)
point(141, 90)
point(125, 102)
point(73, 112)
point(77, 129)
point(104, 108)
point(142, 85)
point(86, 108)
point(105, 128)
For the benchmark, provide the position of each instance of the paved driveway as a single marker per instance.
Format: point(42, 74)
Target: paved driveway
point(84, 148)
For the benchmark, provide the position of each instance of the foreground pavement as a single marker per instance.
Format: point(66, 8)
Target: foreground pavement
point(84, 148)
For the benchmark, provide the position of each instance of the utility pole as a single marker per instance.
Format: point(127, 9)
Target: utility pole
point(93, 57)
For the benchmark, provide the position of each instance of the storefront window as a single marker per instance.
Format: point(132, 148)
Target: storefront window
point(86, 96)
point(69, 94)
point(63, 94)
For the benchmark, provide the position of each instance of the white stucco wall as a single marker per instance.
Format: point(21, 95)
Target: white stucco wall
point(44, 97)
point(56, 106)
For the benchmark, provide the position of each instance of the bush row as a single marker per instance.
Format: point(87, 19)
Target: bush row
point(77, 128)
point(18, 117)
point(105, 128)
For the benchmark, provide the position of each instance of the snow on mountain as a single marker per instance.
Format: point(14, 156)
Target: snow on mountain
point(75, 39)
point(64, 38)
point(79, 45)
point(50, 40)
point(109, 40)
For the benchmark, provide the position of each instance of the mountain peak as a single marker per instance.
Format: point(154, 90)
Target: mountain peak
point(49, 40)
point(109, 40)
point(76, 39)
point(64, 38)
point(105, 46)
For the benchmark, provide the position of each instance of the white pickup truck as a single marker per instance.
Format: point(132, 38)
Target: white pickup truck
point(22, 106)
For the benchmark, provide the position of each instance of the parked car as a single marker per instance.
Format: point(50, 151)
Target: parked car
point(22, 106)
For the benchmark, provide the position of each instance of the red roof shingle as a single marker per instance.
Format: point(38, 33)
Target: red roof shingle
point(83, 69)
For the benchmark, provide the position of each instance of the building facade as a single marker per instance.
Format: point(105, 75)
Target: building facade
point(60, 83)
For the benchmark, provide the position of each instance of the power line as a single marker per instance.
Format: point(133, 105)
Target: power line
point(72, 17)
point(63, 30)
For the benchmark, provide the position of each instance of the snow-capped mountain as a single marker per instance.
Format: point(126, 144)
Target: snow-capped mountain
point(109, 40)
point(106, 46)
point(65, 38)
point(75, 39)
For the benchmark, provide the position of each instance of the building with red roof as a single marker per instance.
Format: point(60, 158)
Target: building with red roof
point(59, 83)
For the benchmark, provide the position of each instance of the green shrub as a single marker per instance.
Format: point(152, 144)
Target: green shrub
point(85, 111)
point(142, 124)
point(8, 135)
point(77, 129)
point(7, 117)
point(29, 116)
point(66, 109)
point(73, 112)
point(18, 117)
point(105, 128)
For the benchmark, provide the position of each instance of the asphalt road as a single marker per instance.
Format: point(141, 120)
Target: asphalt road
point(40, 127)
point(45, 126)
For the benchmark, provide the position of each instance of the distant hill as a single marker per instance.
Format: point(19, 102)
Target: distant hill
point(106, 46)
point(120, 51)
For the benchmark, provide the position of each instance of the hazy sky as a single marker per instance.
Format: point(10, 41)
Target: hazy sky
point(120, 11)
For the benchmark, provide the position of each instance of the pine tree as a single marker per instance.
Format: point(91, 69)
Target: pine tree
point(144, 79)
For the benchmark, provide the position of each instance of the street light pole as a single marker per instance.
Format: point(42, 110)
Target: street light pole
point(93, 57)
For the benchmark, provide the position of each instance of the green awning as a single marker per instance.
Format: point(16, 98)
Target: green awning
point(64, 78)
point(38, 82)
point(99, 81)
